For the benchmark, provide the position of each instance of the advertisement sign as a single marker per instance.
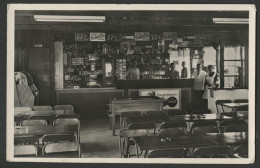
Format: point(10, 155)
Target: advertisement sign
point(97, 36)
point(169, 35)
point(142, 36)
point(172, 97)
point(81, 37)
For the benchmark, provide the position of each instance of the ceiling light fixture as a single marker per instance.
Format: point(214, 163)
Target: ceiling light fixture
point(65, 18)
point(230, 20)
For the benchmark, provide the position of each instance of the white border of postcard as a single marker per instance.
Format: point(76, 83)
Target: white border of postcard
point(151, 7)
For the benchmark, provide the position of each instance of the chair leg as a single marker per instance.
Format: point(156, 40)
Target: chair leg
point(136, 151)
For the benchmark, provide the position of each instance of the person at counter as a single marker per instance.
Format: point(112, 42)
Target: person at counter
point(173, 74)
point(184, 71)
point(198, 87)
point(133, 71)
point(211, 80)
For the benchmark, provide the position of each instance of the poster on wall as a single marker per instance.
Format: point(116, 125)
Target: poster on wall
point(170, 36)
point(81, 37)
point(172, 97)
point(97, 36)
point(142, 36)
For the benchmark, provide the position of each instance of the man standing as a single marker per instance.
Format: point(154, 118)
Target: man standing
point(173, 74)
point(184, 71)
point(198, 87)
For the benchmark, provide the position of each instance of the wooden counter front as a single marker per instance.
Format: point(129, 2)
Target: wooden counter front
point(144, 103)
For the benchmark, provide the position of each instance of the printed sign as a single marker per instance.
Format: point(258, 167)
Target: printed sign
point(97, 36)
point(155, 37)
point(142, 36)
point(81, 37)
point(112, 37)
point(169, 36)
point(171, 97)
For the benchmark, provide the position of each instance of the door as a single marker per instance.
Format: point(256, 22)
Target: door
point(39, 67)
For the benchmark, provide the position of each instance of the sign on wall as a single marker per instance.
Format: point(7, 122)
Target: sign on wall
point(169, 35)
point(172, 97)
point(142, 36)
point(97, 36)
point(81, 37)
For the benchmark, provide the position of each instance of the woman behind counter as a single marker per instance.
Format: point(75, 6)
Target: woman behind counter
point(173, 74)
point(133, 72)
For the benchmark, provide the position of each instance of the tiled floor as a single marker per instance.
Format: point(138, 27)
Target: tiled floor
point(97, 140)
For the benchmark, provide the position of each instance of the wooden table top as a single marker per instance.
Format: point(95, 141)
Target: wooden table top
point(28, 113)
point(233, 105)
point(228, 138)
point(155, 142)
point(42, 130)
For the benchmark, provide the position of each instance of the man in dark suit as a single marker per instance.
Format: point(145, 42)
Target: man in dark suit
point(173, 74)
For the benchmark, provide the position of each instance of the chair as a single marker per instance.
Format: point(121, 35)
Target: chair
point(176, 112)
point(201, 111)
point(218, 103)
point(58, 138)
point(69, 121)
point(167, 153)
point(241, 151)
point(48, 118)
point(234, 126)
point(204, 127)
point(146, 125)
point(125, 140)
point(18, 120)
point(26, 140)
point(171, 129)
point(25, 150)
point(21, 109)
point(34, 123)
point(61, 150)
point(68, 109)
point(212, 152)
point(127, 117)
point(42, 108)
point(155, 116)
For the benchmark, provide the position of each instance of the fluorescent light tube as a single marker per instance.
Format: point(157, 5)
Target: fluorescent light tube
point(65, 18)
point(230, 20)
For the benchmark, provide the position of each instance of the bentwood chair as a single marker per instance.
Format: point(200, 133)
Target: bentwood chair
point(25, 150)
point(61, 150)
point(172, 129)
point(55, 138)
point(68, 109)
point(129, 117)
point(212, 152)
point(146, 125)
point(204, 127)
point(167, 153)
point(126, 140)
point(234, 126)
point(48, 118)
point(241, 151)
point(42, 108)
point(222, 111)
point(26, 140)
point(69, 121)
point(34, 123)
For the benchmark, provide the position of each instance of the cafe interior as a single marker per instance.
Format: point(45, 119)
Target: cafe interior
point(131, 84)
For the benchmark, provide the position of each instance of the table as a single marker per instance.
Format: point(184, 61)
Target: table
point(185, 141)
point(43, 130)
point(228, 138)
point(234, 106)
point(198, 117)
point(29, 113)
point(142, 103)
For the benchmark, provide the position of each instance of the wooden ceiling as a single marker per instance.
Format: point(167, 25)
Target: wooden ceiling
point(125, 21)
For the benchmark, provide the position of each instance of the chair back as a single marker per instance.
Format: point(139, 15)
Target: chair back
point(241, 151)
point(34, 123)
point(25, 150)
point(146, 125)
point(129, 117)
point(241, 101)
point(166, 153)
point(61, 149)
point(42, 108)
point(212, 152)
point(155, 116)
point(48, 118)
point(219, 107)
point(204, 127)
point(26, 140)
point(68, 109)
point(58, 138)
point(201, 111)
point(176, 112)
point(171, 129)
point(132, 114)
